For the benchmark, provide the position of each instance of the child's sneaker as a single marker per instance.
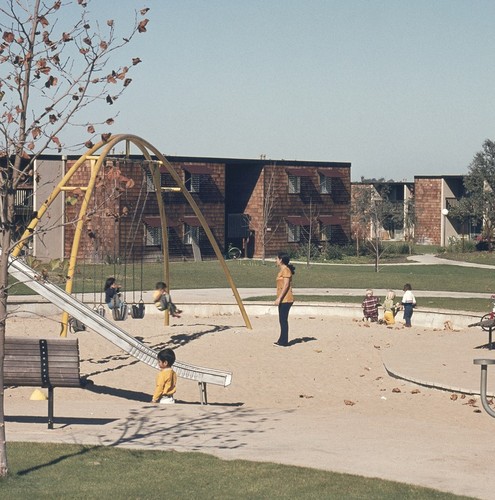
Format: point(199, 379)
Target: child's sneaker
point(167, 400)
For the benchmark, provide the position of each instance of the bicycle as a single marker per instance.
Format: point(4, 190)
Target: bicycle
point(490, 315)
point(233, 252)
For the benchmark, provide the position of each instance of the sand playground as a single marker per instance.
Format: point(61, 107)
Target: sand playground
point(329, 401)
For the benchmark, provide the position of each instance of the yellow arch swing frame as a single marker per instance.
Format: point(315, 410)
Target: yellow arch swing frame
point(96, 161)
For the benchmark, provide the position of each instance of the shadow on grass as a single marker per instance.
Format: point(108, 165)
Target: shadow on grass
point(56, 461)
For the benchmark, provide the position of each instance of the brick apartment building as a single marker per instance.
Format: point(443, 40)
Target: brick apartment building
point(244, 202)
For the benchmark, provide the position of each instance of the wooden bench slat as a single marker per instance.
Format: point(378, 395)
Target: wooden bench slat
point(23, 365)
point(66, 361)
point(22, 362)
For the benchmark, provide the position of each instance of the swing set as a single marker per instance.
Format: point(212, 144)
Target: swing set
point(99, 208)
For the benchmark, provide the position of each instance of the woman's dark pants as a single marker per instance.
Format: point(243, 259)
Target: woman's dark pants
point(283, 318)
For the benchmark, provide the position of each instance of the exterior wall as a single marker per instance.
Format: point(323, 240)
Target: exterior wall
point(428, 210)
point(210, 201)
point(105, 220)
point(49, 235)
point(309, 204)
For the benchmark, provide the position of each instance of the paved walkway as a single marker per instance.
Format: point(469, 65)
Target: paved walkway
point(429, 259)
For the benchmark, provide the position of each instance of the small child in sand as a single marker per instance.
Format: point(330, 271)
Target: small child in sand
point(408, 303)
point(370, 306)
point(166, 380)
point(163, 301)
point(389, 308)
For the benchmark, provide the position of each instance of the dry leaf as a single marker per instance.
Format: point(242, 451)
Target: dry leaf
point(142, 26)
point(349, 403)
point(453, 397)
point(396, 389)
point(415, 391)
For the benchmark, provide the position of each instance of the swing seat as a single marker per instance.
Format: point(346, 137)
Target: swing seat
point(119, 312)
point(137, 310)
point(76, 326)
point(100, 310)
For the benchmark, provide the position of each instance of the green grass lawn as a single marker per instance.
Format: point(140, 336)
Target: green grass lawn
point(71, 471)
point(253, 274)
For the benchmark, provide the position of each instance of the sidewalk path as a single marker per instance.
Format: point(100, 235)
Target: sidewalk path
point(429, 259)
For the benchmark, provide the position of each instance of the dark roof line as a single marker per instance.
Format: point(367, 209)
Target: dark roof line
point(227, 161)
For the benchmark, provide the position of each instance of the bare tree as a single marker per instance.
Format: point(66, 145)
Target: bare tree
point(49, 73)
point(265, 225)
point(311, 214)
point(374, 211)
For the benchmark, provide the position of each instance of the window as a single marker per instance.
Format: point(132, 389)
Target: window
point(325, 232)
point(293, 233)
point(192, 182)
point(191, 234)
point(164, 181)
point(153, 236)
point(294, 184)
point(325, 184)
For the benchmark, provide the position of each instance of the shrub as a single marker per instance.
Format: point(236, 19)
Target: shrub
point(334, 252)
point(458, 245)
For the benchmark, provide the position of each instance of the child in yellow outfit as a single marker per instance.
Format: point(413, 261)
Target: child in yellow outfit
point(389, 308)
point(166, 380)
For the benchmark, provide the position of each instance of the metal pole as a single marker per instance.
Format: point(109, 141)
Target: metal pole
point(483, 385)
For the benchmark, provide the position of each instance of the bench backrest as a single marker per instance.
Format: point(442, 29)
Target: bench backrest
point(41, 362)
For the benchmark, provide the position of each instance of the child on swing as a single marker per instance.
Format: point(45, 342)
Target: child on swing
point(163, 301)
point(112, 293)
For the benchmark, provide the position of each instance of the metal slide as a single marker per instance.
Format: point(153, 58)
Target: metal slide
point(77, 309)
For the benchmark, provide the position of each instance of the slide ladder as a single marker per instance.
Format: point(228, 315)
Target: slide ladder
point(109, 330)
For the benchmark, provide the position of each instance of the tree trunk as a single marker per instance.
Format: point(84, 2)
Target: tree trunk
point(377, 253)
point(5, 244)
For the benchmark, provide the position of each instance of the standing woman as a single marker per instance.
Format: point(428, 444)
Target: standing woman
point(285, 299)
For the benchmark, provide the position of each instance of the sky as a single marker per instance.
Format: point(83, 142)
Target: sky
point(397, 88)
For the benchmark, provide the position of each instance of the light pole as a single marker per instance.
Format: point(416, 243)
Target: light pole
point(445, 212)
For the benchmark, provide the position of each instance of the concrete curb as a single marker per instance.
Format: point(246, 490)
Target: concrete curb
point(33, 305)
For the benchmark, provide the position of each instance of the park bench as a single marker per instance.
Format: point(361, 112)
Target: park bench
point(46, 363)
